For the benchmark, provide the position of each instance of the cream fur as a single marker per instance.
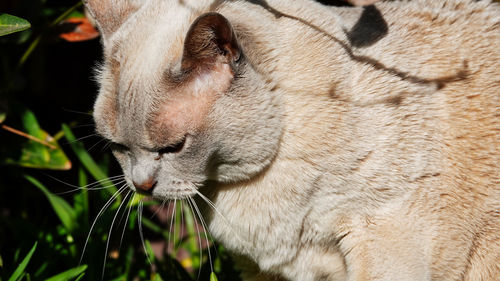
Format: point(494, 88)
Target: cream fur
point(335, 161)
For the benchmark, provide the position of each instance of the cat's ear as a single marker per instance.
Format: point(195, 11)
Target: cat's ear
point(110, 14)
point(210, 40)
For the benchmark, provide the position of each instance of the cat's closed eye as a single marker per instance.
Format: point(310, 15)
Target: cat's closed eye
point(118, 147)
point(173, 148)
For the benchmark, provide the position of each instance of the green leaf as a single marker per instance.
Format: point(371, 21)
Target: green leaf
point(30, 123)
point(1, 261)
point(81, 200)
point(80, 277)
point(68, 274)
point(150, 251)
point(3, 114)
point(87, 160)
point(22, 266)
point(192, 245)
point(10, 24)
point(39, 156)
point(213, 277)
point(157, 277)
point(32, 154)
point(63, 210)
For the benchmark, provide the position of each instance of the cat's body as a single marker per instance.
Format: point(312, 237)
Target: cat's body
point(336, 143)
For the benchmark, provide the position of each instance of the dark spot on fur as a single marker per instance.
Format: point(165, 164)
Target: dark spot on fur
point(323, 277)
point(396, 100)
point(338, 3)
point(440, 82)
point(370, 28)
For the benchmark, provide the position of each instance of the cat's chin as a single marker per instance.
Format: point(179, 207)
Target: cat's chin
point(173, 194)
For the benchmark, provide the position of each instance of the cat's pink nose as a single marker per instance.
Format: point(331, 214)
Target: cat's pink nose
point(145, 186)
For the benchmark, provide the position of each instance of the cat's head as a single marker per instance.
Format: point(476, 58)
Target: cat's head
point(178, 98)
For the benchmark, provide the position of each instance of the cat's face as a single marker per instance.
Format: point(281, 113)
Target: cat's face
point(179, 100)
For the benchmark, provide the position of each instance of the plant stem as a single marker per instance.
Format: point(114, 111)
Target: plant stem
point(30, 137)
point(35, 42)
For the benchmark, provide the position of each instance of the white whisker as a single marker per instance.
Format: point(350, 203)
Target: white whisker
point(103, 209)
point(110, 231)
point(171, 225)
point(174, 217)
point(126, 220)
point(159, 208)
point(205, 228)
point(82, 138)
point(139, 219)
point(182, 220)
point(89, 186)
point(101, 140)
point(79, 112)
point(108, 144)
point(199, 237)
point(212, 205)
point(92, 188)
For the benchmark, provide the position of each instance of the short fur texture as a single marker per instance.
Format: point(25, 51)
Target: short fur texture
point(336, 143)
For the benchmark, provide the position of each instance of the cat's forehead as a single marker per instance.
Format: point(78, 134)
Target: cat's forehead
point(150, 41)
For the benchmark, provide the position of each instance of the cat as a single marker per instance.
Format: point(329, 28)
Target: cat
point(336, 143)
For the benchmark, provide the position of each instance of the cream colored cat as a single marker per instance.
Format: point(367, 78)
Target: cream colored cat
point(336, 143)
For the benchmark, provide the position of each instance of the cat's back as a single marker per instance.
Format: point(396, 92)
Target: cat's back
point(442, 56)
point(436, 70)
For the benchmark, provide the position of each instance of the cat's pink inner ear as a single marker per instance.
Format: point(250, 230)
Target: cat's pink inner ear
point(210, 40)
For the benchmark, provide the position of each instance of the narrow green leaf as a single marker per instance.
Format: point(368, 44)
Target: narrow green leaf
point(151, 225)
point(63, 210)
point(3, 115)
point(150, 253)
point(1, 261)
point(68, 274)
point(192, 245)
point(81, 200)
point(10, 24)
point(157, 277)
point(22, 266)
point(41, 269)
point(213, 277)
point(30, 123)
point(87, 160)
point(80, 277)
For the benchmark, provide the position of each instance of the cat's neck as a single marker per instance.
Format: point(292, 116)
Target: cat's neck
point(309, 79)
point(276, 35)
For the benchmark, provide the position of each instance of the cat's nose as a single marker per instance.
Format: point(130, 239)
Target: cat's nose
point(146, 185)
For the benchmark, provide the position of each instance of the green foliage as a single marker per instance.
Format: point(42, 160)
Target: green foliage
point(35, 150)
point(10, 24)
point(63, 210)
point(70, 274)
point(19, 272)
point(86, 159)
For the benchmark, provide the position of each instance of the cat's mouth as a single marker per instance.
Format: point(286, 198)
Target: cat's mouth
point(174, 190)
